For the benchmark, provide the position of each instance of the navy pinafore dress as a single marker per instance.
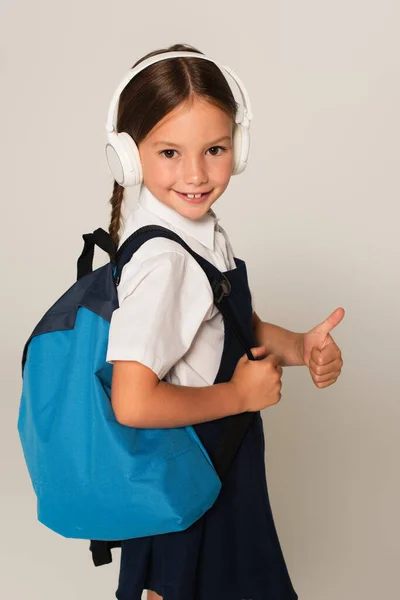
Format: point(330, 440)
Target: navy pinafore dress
point(232, 552)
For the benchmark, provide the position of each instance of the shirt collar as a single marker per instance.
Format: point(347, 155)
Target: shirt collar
point(201, 229)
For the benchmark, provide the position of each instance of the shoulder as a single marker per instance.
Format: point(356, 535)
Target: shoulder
point(164, 260)
point(160, 248)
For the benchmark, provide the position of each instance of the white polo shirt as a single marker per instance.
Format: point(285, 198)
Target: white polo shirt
point(166, 318)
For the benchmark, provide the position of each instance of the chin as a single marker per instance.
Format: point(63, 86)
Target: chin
point(193, 213)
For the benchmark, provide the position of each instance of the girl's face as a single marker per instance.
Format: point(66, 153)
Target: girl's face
point(190, 151)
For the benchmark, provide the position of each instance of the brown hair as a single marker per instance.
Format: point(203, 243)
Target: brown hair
point(159, 89)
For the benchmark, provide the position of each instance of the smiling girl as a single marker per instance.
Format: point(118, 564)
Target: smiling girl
point(176, 362)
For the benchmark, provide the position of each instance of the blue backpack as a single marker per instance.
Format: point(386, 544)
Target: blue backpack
point(93, 477)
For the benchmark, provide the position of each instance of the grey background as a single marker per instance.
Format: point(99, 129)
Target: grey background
point(315, 216)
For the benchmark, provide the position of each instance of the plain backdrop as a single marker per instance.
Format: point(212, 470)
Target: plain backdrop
point(315, 215)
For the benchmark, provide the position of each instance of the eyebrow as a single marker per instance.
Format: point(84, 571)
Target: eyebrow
point(166, 143)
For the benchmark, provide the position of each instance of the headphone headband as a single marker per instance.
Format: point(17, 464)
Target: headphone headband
point(243, 116)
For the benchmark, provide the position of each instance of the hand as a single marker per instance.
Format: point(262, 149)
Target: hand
point(320, 353)
point(257, 383)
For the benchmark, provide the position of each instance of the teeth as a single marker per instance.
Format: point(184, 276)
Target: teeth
point(193, 195)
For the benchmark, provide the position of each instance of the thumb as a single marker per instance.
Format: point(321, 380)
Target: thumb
point(330, 322)
point(259, 351)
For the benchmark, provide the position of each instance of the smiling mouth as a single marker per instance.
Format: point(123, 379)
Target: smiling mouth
point(193, 195)
point(194, 198)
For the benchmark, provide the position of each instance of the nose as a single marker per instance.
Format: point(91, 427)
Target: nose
point(194, 170)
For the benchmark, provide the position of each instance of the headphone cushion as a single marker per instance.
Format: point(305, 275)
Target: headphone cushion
point(240, 149)
point(130, 160)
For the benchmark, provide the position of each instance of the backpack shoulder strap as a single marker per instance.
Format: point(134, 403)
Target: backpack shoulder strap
point(134, 241)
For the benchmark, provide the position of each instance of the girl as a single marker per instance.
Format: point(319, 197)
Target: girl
point(176, 363)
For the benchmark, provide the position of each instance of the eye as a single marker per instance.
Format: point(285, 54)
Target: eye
point(168, 150)
point(221, 147)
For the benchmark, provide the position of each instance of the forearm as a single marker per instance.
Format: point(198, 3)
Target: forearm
point(280, 341)
point(178, 406)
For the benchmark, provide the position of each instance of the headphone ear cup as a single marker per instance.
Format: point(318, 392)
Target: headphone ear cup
point(135, 174)
point(124, 159)
point(241, 144)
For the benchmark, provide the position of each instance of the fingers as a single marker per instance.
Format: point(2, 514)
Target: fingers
point(334, 366)
point(258, 351)
point(261, 351)
point(325, 383)
point(328, 354)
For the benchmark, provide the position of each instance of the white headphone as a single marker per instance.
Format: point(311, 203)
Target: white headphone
point(122, 152)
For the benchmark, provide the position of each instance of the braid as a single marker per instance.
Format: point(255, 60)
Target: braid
point(116, 205)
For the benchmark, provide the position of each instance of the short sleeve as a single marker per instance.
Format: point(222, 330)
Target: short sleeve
point(163, 301)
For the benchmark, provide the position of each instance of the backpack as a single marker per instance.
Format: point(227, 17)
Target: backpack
point(93, 476)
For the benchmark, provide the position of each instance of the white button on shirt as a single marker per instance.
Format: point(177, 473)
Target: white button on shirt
point(166, 318)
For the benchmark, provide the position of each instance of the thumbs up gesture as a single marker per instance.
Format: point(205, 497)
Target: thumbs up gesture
point(320, 353)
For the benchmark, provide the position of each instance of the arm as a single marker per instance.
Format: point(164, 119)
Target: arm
point(277, 340)
point(136, 388)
